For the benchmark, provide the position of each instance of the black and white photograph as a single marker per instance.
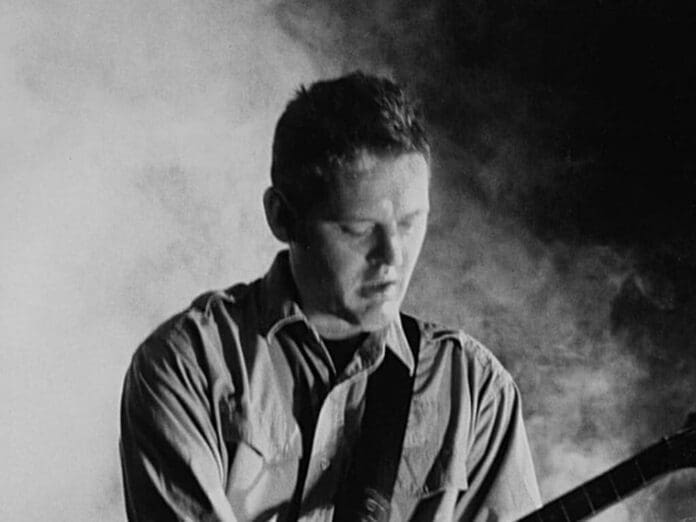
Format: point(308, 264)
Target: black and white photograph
point(342, 261)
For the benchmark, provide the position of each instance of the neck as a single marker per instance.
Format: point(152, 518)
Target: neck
point(332, 327)
point(328, 325)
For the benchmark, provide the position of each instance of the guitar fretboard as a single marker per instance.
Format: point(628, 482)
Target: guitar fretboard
point(608, 488)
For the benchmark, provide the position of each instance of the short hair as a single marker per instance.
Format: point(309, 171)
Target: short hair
point(324, 128)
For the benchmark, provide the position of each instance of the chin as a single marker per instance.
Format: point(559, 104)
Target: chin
point(379, 317)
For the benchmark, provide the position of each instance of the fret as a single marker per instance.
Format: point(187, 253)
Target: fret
point(554, 512)
point(654, 461)
point(565, 509)
point(626, 478)
point(605, 489)
point(671, 453)
point(566, 518)
point(544, 514)
point(636, 464)
point(601, 491)
point(610, 479)
point(586, 494)
point(536, 516)
point(577, 504)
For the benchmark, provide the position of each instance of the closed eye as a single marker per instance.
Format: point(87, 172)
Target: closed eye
point(407, 223)
point(357, 228)
point(361, 229)
point(411, 220)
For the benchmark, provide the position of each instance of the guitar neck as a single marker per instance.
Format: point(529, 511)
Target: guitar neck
point(608, 488)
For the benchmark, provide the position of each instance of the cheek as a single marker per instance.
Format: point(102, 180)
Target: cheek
point(345, 265)
point(338, 263)
point(413, 246)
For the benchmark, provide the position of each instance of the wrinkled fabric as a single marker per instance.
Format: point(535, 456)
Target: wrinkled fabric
point(233, 411)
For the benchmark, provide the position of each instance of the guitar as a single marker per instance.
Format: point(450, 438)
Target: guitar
point(669, 454)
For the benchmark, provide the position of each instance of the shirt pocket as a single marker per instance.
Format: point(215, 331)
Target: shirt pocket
point(427, 464)
point(257, 444)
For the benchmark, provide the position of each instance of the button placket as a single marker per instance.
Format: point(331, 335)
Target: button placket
point(335, 401)
point(324, 443)
point(328, 445)
point(324, 463)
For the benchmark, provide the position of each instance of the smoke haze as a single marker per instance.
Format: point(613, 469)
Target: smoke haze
point(135, 145)
point(136, 138)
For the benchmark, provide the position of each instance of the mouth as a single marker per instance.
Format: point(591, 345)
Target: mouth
point(381, 289)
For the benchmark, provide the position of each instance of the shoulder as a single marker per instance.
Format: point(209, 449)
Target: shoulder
point(191, 340)
point(465, 353)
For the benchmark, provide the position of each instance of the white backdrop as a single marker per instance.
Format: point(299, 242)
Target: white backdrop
point(135, 145)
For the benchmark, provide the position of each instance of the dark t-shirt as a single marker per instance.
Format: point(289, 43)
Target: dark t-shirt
point(342, 350)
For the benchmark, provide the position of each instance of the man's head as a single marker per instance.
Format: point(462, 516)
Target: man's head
point(350, 180)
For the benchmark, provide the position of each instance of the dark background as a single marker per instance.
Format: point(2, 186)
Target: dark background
point(564, 202)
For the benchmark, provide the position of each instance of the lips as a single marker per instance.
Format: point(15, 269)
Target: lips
point(383, 289)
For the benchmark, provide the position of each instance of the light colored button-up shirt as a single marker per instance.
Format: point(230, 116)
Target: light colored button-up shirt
point(233, 411)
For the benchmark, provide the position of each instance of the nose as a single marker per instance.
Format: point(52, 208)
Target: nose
point(388, 248)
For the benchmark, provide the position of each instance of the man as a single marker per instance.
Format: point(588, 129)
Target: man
point(253, 403)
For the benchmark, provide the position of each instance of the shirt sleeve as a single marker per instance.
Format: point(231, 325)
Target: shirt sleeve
point(502, 481)
point(172, 468)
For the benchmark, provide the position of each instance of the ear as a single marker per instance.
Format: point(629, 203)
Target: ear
point(277, 215)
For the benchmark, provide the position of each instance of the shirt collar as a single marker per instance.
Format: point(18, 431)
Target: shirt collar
point(279, 298)
point(280, 306)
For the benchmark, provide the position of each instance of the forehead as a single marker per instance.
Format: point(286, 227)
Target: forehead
point(373, 184)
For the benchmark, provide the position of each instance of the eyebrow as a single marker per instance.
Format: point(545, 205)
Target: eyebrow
point(356, 219)
point(416, 213)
